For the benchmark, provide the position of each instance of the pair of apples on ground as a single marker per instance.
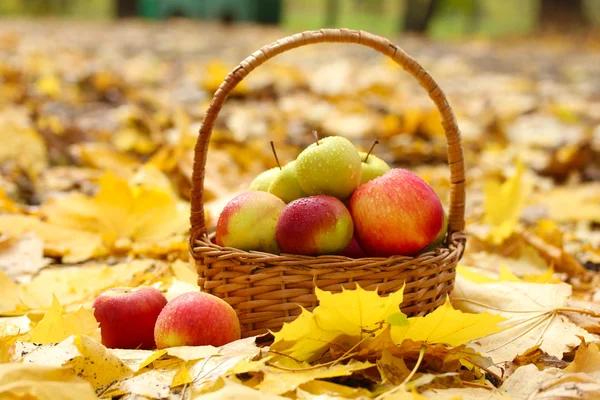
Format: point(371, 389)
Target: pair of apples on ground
point(132, 318)
point(339, 201)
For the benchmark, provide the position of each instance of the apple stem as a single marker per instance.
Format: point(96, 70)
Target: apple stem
point(375, 143)
point(316, 135)
point(275, 154)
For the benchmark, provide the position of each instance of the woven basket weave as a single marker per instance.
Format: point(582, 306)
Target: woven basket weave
point(266, 290)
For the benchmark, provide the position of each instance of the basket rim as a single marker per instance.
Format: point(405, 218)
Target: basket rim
point(455, 242)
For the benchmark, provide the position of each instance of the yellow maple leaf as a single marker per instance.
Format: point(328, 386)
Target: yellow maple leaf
point(27, 381)
point(587, 359)
point(356, 312)
point(182, 377)
point(448, 326)
point(57, 325)
point(123, 210)
point(353, 312)
point(504, 202)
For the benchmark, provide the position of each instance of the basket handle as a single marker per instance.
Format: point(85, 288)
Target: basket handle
point(456, 220)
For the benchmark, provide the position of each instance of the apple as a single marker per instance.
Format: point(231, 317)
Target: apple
point(285, 185)
point(127, 316)
point(196, 319)
point(330, 166)
point(440, 237)
point(314, 225)
point(396, 214)
point(353, 250)
point(263, 180)
point(248, 222)
point(372, 167)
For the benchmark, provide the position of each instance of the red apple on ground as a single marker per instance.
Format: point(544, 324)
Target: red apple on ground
point(396, 214)
point(127, 316)
point(196, 319)
point(314, 225)
point(248, 222)
point(353, 250)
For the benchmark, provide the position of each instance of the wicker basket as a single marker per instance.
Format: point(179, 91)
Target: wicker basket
point(266, 290)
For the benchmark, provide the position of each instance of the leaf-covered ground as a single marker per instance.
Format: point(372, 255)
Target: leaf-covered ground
point(97, 126)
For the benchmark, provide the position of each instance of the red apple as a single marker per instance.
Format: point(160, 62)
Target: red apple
point(248, 222)
point(353, 250)
point(314, 225)
point(396, 214)
point(127, 316)
point(196, 319)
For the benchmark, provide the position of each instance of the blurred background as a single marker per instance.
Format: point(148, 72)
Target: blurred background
point(438, 18)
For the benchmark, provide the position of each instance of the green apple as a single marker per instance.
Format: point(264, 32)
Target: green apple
point(264, 180)
point(372, 167)
point(330, 166)
point(285, 185)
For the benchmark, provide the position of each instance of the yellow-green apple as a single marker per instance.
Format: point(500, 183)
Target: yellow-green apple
point(396, 214)
point(196, 319)
point(330, 166)
point(248, 222)
point(264, 179)
point(285, 185)
point(353, 250)
point(314, 225)
point(127, 316)
point(372, 166)
point(440, 237)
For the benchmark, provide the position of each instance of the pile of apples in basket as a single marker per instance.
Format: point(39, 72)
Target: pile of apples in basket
point(334, 199)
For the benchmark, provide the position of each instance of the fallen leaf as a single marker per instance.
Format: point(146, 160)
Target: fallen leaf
point(448, 326)
point(72, 245)
point(504, 203)
point(232, 390)
point(533, 313)
point(23, 256)
point(9, 295)
point(138, 359)
point(26, 381)
point(57, 325)
point(122, 211)
point(287, 375)
point(86, 357)
point(587, 360)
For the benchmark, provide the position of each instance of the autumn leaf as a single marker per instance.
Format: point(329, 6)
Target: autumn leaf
point(286, 375)
point(358, 313)
point(70, 244)
point(122, 211)
point(234, 390)
point(534, 316)
point(587, 360)
point(507, 276)
point(9, 295)
point(86, 357)
point(448, 326)
point(23, 256)
point(57, 325)
point(28, 381)
point(504, 203)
